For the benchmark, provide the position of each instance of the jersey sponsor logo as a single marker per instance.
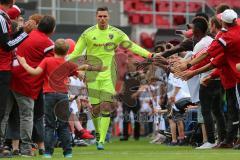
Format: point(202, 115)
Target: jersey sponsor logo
point(104, 44)
point(111, 36)
point(110, 46)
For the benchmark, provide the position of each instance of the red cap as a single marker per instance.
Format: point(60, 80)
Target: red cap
point(71, 44)
point(14, 12)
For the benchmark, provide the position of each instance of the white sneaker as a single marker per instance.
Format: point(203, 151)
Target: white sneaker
point(158, 139)
point(206, 145)
point(155, 139)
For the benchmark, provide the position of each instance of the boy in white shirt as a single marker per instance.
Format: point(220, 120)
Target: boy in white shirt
point(179, 99)
point(78, 88)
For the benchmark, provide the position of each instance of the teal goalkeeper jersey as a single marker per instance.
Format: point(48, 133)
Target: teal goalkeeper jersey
point(100, 46)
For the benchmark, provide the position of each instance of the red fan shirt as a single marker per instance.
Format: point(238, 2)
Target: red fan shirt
point(35, 48)
point(226, 75)
point(56, 72)
point(228, 43)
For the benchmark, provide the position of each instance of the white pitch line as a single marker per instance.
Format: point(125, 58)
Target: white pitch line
point(148, 153)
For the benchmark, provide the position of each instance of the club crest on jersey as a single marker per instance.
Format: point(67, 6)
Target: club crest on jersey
point(111, 36)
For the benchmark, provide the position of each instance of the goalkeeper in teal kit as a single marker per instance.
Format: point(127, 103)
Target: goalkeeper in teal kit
point(99, 43)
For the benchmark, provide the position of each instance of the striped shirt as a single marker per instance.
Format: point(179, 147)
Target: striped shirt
point(8, 44)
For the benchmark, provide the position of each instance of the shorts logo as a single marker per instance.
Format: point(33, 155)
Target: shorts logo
point(111, 36)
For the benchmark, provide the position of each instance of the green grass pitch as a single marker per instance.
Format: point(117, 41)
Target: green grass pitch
point(142, 150)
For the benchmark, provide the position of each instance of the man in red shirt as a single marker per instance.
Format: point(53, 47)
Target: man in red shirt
point(8, 42)
point(26, 88)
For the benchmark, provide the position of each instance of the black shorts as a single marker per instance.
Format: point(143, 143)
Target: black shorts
point(181, 105)
point(177, 116)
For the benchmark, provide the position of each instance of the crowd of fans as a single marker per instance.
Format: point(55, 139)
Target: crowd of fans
point(201, 74)
point(207, 60)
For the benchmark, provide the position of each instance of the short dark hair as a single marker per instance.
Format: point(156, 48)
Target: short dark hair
point(201, 14)
point(200, 23)
point(214, 20)
point(221, 8)
point(102, 9)
point(47, 24)
point(6, 1)
point(61, 47)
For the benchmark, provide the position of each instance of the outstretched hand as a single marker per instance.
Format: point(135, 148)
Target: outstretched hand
point(179, 67)
point(29, 26)
point(204, 81)
point(157, 60)
point(86, 67)
point(174, 59)
point(160, 60)
point(83, 67)
point(103, 68)
point(21, 60)
point(144, 64)
point(185, 75)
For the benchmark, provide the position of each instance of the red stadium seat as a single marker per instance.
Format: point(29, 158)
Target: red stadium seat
point(146, 40)
point(194, 6)
point(128, 6)
point(135, 18)
point(162, 6)
point(162, 22)
point(139, 6)
point(147, 19)
point(132, 5)
point(179, 7)
point(179, 20)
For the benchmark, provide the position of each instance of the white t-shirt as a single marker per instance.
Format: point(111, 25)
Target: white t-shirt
point(176, 82)
point(194, 86)
point(74, 89)
point(78, 87)
point(154, 92)
point(75, 85)
point(144, 99)
point(194, 82)
point(204, 43)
